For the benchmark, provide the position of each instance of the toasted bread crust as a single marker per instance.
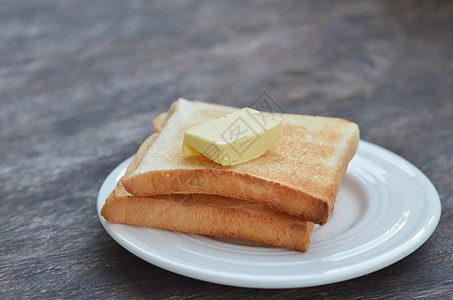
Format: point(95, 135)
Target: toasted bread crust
point(210, 215)
point(234, 185)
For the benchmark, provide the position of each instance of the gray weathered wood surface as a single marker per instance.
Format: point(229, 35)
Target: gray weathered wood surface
point(80, 82)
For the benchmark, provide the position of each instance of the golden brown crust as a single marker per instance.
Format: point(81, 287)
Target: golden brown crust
point(301, 176)
point(210, 215)
point(234, 185)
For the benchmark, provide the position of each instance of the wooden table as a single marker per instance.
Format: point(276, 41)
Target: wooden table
point(80, 83)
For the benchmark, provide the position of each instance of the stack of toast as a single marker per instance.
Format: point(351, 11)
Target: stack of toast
point(275, 199)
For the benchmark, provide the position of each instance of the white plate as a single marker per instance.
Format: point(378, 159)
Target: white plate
point(385, 210)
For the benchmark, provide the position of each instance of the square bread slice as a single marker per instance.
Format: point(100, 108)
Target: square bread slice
point(301, 176)
point(210, 215)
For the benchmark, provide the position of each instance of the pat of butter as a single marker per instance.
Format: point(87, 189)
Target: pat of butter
point(235, 138)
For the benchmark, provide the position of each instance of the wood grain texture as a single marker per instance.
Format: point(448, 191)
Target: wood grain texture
point(81, 82)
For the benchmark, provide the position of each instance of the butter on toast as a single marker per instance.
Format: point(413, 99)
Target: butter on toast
point(301, 176)
point(206, 214)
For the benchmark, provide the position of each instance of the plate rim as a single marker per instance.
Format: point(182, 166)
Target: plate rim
point(303, 280)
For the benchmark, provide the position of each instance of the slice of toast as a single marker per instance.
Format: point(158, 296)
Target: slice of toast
point(301, 176)
point(210, 215)
point(206, 214)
